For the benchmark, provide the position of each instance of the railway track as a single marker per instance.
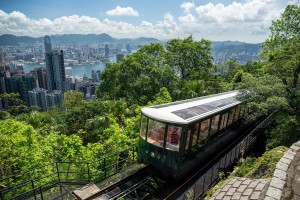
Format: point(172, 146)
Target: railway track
point(136, 186)
point(147, 183)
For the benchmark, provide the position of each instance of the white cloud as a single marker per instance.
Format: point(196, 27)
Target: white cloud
point(251, 10)
point(187, 19)
point(246, 21)
point(18, 24)
point(119, 11)
point(168, 24)
point(187, 6)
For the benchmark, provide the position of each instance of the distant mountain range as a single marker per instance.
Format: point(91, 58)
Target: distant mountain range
point(228, 49)
point(8, 39)
point(236, 47)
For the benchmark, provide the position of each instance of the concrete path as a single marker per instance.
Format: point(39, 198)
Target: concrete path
point(241, 188)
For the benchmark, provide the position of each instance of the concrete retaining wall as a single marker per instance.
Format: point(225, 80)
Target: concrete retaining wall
point(280, 187)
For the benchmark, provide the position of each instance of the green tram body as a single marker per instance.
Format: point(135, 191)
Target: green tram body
point(176, 137)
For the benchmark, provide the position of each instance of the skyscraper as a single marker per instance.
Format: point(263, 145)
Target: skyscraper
point(41, 76)
point(56, 76)
point(106, 50)
point(37, 97)
point(54, 99)
point(128, 48)
point(21, 84)
point(48, 44)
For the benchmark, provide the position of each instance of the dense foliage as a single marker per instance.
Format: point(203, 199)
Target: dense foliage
point(278, 88)
point(87, 130)
point(183, 68)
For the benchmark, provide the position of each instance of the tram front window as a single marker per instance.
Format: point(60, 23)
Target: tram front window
point(173, 138)
point(156, 132)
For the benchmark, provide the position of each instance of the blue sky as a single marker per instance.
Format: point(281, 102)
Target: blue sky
point(242, 20)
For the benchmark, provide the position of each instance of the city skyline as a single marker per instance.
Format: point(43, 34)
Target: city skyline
point(243, 20)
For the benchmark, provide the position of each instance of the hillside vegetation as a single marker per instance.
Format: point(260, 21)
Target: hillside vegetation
point(87, 130)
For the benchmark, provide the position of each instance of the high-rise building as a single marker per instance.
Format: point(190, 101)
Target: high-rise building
point(54, 99)
point(128, 48)
point(56, 76)
point(2, 84)
point(41, 76)
point(69, 71)
point(21, 84)
point(119, 57)
point(1, 57)
point(106, 49)
point(37, 97)
point(48, 44)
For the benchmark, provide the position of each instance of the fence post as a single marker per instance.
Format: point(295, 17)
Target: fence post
point(41, 192)
point(32, 185)
point(133, 154)
point(57, 171)
point(88, 166)
point(104, 166)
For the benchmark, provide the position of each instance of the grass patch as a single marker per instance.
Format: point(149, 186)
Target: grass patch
point(262, 167)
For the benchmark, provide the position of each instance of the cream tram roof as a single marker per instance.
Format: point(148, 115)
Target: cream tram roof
point(184, 112)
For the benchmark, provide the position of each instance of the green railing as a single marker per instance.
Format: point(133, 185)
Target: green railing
point(35, 183)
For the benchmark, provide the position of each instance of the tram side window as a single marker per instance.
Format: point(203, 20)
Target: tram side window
point(173, 138)
point(156, 132)
point(143, 127)
point(188, 139)
point(231, 115)
point(204, 129)
point(224, 121)
point(195, 135)
point(214, 124)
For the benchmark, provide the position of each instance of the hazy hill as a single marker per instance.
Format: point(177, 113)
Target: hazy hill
point(237, 48)
point(220, 49)
point(226, 43)
point(8, 39)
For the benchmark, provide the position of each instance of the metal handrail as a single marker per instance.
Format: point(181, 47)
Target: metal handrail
point(107, 168)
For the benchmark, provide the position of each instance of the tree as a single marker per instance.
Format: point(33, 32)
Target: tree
point(278, 90)
point(13, 104)
point(282, 56)
point(19, 149)
point(73, 98)
point(230, 68)
point(43, 122)
point(191, 59)
point(138, 77)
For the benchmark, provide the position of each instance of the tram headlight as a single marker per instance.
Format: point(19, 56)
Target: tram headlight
point(158, 156)
point(152, 154)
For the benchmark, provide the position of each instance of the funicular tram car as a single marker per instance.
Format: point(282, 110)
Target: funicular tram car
point(177, 137)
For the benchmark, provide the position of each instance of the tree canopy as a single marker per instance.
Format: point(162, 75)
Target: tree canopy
point(278, 88)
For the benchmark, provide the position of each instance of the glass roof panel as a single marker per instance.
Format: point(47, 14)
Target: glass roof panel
point(198, 109)
point(208, 106)
point(184, 113)
point(201, 109)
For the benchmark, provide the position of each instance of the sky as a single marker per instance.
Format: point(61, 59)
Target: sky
point(216, 20)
